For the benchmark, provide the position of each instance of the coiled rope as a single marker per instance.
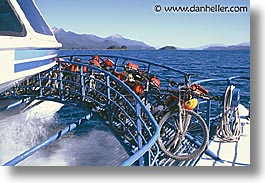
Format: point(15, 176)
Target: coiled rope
point(229, 129)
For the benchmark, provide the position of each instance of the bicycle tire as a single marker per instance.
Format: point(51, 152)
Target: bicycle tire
point(118, 118)
point(116, 126)
point(197, 131)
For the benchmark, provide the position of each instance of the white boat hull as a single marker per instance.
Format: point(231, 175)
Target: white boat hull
point(27, 50)
point(20, 64)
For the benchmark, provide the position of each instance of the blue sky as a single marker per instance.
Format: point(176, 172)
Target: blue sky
point(136, 19)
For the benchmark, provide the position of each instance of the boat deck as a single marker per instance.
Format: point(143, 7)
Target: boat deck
point(231, 153)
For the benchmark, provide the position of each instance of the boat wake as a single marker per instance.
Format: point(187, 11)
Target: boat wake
point(91, 145)
point(24, 130)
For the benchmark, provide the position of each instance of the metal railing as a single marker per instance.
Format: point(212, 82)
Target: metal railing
point(103, 93)
point(65, 86)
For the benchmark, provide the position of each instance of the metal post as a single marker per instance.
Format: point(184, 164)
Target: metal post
point(139, 130)
point(14, 90)
point(61, 81)
point(82, 83)
point(149, 68)
point(228, 82)
point(208, 114)
point(108, 96)
point(208, 122)
point(40, 85)
point(116, 61)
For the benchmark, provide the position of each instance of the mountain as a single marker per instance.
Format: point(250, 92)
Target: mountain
point(244, 44)
point(241, 46)
point(220, 46)
point(130, 44)
point(207, 46)
point(71, 40)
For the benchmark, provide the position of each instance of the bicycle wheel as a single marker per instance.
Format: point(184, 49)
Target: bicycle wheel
point(183, 146)
point(120, 117)
point(117, 123)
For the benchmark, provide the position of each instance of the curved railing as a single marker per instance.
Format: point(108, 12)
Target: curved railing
point(99, 90)
point(65, 86)
point(217, 86)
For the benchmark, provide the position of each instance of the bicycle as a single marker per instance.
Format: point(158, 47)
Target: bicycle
point(183, 133)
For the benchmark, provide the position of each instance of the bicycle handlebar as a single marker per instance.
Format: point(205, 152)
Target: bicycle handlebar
point(192, 92)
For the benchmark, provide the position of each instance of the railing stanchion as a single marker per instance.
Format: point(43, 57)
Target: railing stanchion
point(208, 114)
point(108, 97)
point(61, 81)
point(40, 85)
point(82, 83)
point(139, 131)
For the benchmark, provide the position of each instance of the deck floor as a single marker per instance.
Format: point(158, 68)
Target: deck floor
point(231, 153)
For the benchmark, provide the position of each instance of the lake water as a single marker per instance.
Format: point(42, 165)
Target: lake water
point(94, 144)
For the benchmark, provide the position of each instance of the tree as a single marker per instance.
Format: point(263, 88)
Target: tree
point(123, 47)
point(113, 47)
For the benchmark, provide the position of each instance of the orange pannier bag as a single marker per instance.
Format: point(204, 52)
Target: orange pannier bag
point(156, 81)
point(138, 89)
point(73, 68)
point(198, 88)
point(133, 66)
point(84, 69)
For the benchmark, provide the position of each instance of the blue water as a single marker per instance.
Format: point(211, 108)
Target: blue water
point(94, 144)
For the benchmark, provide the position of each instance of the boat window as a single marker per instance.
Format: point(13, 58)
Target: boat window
point(34, 17)
point(9, 22)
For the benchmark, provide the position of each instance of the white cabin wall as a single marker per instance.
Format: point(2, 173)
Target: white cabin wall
point(6, 65)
